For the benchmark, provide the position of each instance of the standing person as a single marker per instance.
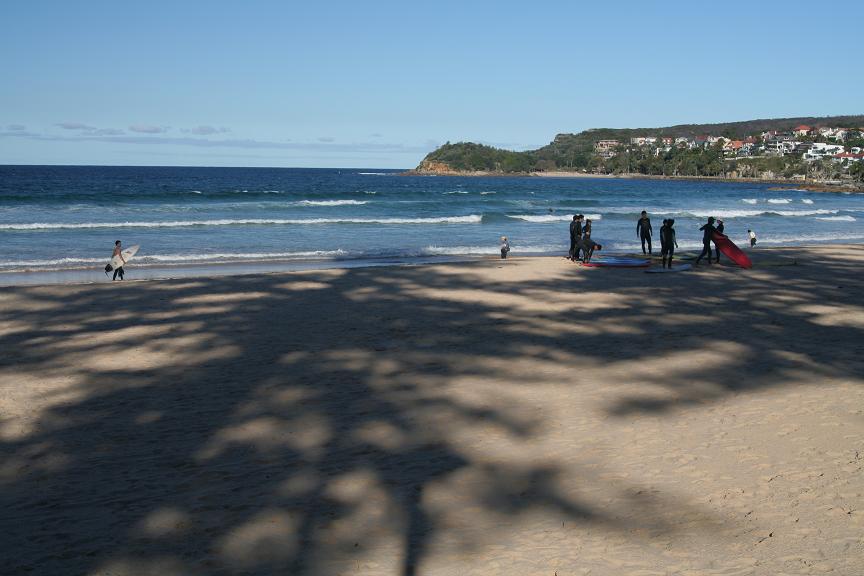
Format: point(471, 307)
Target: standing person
point(505, 247)
point(668, 242)
point(586, 230)
point(707, 237)
point(643, 231)
point(575, 234)
point(118, 251)
point(752, 238)
point(720, 229)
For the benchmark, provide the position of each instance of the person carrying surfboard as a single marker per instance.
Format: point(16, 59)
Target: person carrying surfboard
point(118, 253)
point(707, 236)
point(643, 231)
point(720, 227)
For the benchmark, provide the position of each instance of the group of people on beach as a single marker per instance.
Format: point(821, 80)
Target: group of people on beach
point(582, 247)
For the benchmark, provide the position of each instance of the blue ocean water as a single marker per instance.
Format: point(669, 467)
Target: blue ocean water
point(69, 217)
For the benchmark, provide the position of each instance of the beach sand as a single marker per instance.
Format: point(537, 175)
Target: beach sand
point(519, 417)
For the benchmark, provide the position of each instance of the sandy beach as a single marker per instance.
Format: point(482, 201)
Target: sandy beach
point(519, 417)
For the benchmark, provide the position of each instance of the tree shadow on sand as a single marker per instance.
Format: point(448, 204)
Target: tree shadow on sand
point(322, 422)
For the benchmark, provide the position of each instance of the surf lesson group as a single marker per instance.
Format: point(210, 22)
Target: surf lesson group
point(582, 247)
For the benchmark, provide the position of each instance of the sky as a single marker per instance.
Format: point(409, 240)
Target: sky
point(380, 84)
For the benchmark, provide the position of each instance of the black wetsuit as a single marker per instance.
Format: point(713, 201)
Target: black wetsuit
point(643, 228)
point(586, 245)
point(575, 234)
point(716, 249)
point(707, 236)
point(667, 243)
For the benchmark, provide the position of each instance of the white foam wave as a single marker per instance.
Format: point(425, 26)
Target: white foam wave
point(749, 200)
point(492, 248)
point(779, 201)
point(551, 217)
point(455, 192)
point(487, 193)
point(471, 219)
point(807, 201)
point(752, 213)
point(836, 218)
point(372, 173)
point(329, 203)
point(370, 192)
point(176, 258)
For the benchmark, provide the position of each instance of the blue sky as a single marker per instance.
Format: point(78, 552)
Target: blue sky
point(379, 84)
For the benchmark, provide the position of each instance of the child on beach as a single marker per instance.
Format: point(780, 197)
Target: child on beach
point(505, 247)
point(752, 238)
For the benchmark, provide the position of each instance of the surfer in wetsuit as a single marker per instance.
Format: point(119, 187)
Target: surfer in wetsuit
point(118, 251)
point(668, 242)
point(575, 235)
point(720, 228)
point(707, 237)
point(643, 230)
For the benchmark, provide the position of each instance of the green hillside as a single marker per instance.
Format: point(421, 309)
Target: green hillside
point(576, 151)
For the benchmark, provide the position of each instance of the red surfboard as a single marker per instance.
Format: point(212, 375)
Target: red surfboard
point(731, 251)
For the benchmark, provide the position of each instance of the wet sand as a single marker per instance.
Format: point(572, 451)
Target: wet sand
point(520, 417)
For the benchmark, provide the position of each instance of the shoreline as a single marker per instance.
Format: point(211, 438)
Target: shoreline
point(787, 183)
point(196, 271)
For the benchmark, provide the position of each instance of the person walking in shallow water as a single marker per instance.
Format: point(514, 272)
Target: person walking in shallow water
point(643, 231)
point(707, 237)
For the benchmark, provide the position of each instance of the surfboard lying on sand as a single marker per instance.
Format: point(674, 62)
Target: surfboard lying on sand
point(116, 262)
point(731, 251)
point(675, 268)
point(618, 262)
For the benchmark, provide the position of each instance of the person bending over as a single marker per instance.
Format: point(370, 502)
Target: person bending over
point(588, 248)
point(643, 230)
point(707, 237)
point(668, 242)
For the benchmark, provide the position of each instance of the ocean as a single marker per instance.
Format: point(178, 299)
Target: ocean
point(68, 217)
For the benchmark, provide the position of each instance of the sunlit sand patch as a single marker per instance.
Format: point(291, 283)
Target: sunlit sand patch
point(220, 297)
point(270, 434)
point(848, 315)
point(164, 523)
point(269, 538)
point(301, 285)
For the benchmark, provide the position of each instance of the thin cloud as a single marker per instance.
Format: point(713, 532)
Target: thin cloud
point(205, 130)
point(75, 126)
point(148, 129)
point(326, 139)
point(324, 147)
point(16, 127)
point(108, 132)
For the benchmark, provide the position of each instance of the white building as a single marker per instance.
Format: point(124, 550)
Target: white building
point(821, 150)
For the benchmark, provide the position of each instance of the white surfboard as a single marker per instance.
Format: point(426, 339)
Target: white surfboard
point(116, 262)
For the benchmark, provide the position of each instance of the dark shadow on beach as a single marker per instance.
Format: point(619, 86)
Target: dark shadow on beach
point(287, 423)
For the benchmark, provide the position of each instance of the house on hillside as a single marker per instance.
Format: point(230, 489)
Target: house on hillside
point(733, 147)
point(802, 130)
point(643, 140)
point(821, 150)
point(606, 148)
point(847, 158)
